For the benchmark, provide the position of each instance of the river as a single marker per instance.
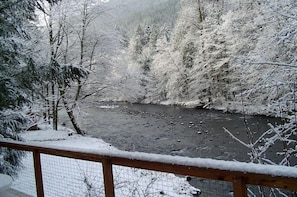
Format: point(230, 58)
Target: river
point(175, 130)
point(172, 130)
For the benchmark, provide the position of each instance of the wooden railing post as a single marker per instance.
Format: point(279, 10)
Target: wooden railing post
point(239, 187)
point(38, 173)
point(108, 178)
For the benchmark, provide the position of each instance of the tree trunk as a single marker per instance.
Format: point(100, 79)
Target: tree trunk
point(46, 104)
point(51, 42)
point(78, 90)
point(201, 17)
point(44, 110)
point(70, 114)
point(54, 109)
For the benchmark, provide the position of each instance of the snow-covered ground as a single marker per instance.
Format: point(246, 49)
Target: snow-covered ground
point(70, 177)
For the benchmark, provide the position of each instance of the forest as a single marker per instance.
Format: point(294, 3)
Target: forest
point(237, 56)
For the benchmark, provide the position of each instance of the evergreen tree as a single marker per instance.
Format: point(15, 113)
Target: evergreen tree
point(14, 16)
point(15, 67)
point(136, 44)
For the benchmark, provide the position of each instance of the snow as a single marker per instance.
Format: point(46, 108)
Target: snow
point(70, 177)
point(108, 106)
point(274, 170)
point(5, 182)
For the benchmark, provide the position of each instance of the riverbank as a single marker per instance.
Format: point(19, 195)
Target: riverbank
point(230, 107)
point(246, 108)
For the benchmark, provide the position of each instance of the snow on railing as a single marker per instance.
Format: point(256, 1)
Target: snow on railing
point(238, 173)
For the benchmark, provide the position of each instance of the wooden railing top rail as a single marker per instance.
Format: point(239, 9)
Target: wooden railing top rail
point(246, 173)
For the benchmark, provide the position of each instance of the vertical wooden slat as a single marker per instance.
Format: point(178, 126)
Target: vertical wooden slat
point(38, 173)
point(108, 178)
point(239, 187)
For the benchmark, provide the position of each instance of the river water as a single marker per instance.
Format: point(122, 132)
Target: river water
point(172, 130)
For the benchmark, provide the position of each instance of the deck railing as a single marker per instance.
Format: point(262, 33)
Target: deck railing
point(238, 173)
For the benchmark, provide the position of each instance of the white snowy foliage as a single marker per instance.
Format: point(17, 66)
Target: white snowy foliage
point(228, 56)
point(165, 70)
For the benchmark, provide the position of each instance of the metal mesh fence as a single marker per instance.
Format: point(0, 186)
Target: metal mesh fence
point(134, 182)
point(25, 181)
point(73, 178)
point(62, 177)
point(212, 188)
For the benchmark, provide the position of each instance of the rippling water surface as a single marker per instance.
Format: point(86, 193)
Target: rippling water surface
point(172, 130)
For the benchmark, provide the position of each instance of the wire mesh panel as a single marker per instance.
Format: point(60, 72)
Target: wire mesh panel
point(71, 177)
point(25, 180)
point(134, 182)
point(62, 177)
point(212, 188)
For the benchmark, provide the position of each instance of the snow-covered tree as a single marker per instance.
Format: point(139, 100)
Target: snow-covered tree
point(70, 43)
point(165, 70)
point(136, 43)
point(199, 53)
point(13, 58)
point(16, 76)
